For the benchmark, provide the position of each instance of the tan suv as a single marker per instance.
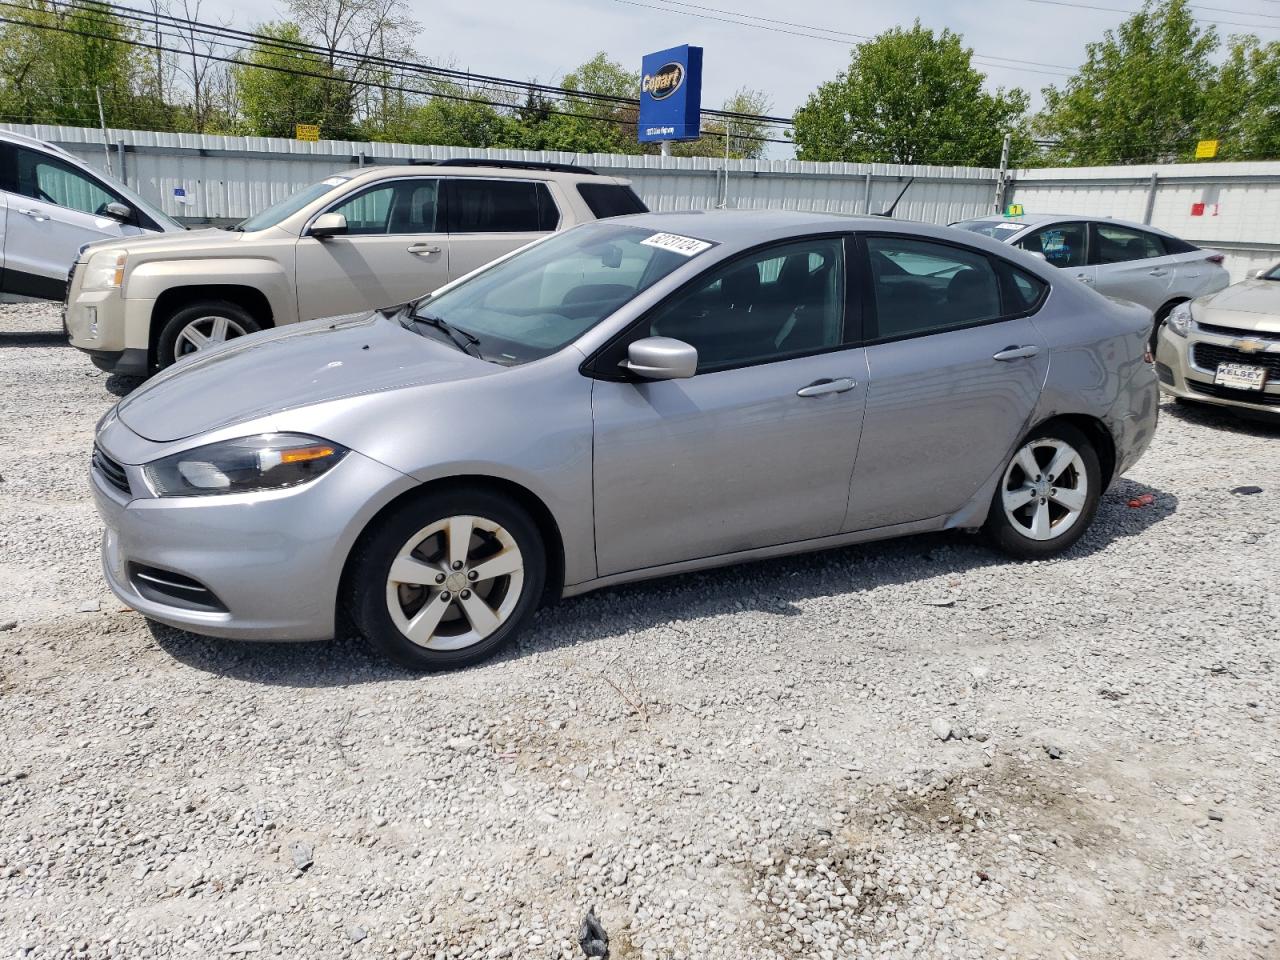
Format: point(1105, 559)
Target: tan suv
point(369, 237)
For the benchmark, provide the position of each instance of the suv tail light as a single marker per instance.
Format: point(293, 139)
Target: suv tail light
point(1215, 258)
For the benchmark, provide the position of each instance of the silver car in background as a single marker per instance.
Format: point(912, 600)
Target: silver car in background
point(1224, 349)
point(640, 397)
point(1132, 261)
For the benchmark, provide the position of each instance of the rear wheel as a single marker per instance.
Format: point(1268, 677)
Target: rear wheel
point(1048, 494)
point(445, 581)
point(196, 326)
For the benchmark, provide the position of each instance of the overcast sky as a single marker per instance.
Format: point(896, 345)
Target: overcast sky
point(545, 40)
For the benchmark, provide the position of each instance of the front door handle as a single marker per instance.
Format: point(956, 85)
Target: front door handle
point(34, 215)
point(422, 249)
point(1084, 278)
point(1017, 353)
point(1157, 273)
point(820, 388)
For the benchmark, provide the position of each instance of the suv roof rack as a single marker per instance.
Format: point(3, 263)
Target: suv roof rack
point(507, 164)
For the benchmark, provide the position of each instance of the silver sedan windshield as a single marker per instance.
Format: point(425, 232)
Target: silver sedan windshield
point(545, 297)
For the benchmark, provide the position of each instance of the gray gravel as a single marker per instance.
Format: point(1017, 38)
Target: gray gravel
point(739, 764)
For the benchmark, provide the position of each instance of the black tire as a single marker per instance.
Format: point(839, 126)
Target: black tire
point(1010, 538)
point(367, 598)
point(1161, 316)
point(167, 341)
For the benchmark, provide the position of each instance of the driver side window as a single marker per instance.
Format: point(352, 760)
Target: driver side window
point(41, 177)
point(782, 301)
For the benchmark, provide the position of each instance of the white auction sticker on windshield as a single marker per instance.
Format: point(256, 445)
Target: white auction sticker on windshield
point(685, 246)
point(335, 181)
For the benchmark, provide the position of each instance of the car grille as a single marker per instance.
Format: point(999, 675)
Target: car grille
point(1235, 332)
point(110, 470)
point(1231, 393)
point(1209, 355)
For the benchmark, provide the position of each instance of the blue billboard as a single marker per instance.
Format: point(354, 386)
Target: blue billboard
point(670, 95)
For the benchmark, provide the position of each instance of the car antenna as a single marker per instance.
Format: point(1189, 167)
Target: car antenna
point(894, 206)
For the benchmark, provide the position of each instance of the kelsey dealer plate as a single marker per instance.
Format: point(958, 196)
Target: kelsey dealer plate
point(1242, 376)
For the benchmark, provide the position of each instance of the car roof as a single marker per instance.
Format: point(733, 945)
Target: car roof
point(377, 171)
point(23, 140)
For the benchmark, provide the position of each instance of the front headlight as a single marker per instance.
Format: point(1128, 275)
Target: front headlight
point(269, 461)
point(1179, 319)
point(104, 271)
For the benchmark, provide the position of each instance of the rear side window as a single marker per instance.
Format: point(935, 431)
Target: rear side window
point(1022, 291)
point(610, 200)
point(478, 205)
point(1062, 244)
point(921, 287)
point(1116, 244)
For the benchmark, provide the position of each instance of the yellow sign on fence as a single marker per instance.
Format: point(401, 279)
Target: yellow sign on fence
point(1206, 149)
point(306, 131)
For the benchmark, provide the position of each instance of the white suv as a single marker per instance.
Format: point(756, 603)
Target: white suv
point(51, 205)
point(366, 238)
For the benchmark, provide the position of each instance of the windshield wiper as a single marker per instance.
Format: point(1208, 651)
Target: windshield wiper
point(466, 342)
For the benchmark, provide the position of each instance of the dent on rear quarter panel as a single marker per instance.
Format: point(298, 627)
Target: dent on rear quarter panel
point(1097, 369)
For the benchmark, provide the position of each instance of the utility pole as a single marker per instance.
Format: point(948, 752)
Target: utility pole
point(102, 122)
point(1004, 172)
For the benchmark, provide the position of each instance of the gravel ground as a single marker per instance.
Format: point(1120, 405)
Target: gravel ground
point(913, 749)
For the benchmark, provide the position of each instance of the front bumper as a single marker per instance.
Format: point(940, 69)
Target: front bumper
point(113, 330)
point(272, 560)
point(1180, 375)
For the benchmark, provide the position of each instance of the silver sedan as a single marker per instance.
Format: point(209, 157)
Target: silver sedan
point(634, 398)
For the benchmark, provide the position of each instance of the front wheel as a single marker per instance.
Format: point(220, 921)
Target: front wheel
point(1048, 494)
point(446, 580)
point(199, 325)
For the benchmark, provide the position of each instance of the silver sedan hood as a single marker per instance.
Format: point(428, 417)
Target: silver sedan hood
point(293, 366)
point(1248, 305)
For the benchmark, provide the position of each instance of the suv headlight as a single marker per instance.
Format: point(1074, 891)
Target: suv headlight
point(269, 461)
point(1179, 319)
point(104, 271)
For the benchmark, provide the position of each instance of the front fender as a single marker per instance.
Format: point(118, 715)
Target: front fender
point(148, 281)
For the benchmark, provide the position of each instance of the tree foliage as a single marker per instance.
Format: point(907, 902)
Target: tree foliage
point(1141, 95)
point(911, 96)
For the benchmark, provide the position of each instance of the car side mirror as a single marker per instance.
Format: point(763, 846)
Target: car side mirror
point(1038, 255)
point(118, 211)
point(1253, 274)
point(661, 358)
point(328, 225)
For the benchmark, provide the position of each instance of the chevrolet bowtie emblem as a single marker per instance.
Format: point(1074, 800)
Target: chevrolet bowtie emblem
point(1250, 346)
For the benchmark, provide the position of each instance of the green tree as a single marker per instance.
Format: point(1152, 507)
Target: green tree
point(1242, 108)
point(1141, 94)
point(911, 96)
point(583, 124)
point(280, 87)
point(55, 60)
point(746, 137)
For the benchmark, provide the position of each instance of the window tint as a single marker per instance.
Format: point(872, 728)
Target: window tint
point(501, 206)
point(779, 302)
point(1062, 244)
point(42, 177)
point(403, 207)
point(919, 287)
point(1023, 291)
point(610, 200)
point(1115, 244)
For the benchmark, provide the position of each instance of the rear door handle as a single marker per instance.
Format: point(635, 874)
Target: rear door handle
point(1157, 273)
point(1017, 353)
point(422, 249)
point(1084, 278)
point(34, 215)
point(822, 387)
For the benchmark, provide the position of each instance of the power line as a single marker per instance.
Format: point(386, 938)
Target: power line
point(1089, 6)
point(1049, 69)
point(218, 33)
point(320, 76)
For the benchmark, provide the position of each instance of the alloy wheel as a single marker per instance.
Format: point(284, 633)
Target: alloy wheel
point(455, 582)
point(205, 332)
point(1045, 489)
